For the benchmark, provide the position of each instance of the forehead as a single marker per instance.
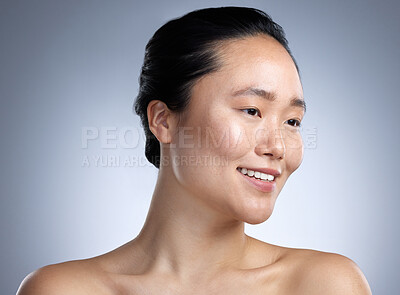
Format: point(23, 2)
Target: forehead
point(259, 61)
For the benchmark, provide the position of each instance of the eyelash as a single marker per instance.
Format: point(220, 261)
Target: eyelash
point(297, 122)
point(253, 109)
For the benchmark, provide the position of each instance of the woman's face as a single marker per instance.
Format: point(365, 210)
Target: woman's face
point(241, 116)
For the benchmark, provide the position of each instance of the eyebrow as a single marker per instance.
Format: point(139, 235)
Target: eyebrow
point(270, 96)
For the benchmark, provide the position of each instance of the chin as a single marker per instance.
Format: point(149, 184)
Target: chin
point(256, 218)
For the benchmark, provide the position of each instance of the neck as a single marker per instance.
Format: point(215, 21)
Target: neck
point(184, 236)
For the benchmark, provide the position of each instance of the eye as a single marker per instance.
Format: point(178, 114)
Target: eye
point(252, 112)
point(294, 122)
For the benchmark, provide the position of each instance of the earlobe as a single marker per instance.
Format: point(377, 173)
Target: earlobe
point(158, 115)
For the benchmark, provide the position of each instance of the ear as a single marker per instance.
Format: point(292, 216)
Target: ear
point(160, 120)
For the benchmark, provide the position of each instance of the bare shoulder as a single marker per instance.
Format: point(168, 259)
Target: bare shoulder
point(316, 272)
point(72, 277)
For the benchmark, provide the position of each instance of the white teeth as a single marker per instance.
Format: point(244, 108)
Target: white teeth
point(256, 174)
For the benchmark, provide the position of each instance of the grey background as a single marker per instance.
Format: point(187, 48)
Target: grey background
point(68, 65)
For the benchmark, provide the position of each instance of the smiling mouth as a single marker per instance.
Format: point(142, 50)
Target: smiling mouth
point(256, 174)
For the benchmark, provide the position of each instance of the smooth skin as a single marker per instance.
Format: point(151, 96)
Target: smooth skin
point(193, 240)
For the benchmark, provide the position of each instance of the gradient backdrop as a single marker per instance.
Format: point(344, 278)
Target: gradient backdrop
point(69, 68)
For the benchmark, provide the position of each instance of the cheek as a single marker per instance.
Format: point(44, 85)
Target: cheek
point(213, 145)
point(294, 150)
point(224, 137)
point(210, 142)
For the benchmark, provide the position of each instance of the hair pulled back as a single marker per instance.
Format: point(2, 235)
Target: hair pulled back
point(185, 49)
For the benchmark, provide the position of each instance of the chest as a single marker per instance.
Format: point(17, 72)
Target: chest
point(217, 286)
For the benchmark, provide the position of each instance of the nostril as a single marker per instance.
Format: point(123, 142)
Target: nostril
point(277, 155)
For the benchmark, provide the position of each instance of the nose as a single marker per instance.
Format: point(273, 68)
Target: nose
point(270, 142)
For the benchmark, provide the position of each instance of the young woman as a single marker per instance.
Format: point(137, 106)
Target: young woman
point(221, 103)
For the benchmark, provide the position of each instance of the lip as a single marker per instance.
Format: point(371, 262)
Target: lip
point(263, 186)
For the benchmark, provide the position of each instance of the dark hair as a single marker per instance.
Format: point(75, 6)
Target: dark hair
point(185, 49)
